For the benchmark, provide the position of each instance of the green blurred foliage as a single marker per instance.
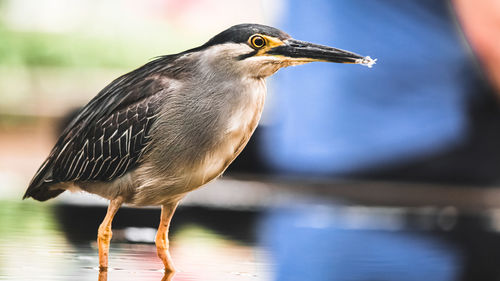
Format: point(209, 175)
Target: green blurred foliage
point(26, 216)
point(63, 50)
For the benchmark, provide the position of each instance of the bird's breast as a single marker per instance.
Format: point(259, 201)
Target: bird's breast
point(238, 129)
point(202, 148)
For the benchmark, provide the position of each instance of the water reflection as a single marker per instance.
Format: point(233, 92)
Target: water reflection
point(168, 276)
point(103, 275)
point(34, 246)
point(309, 241)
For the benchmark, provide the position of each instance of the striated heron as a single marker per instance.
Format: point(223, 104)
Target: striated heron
point(172, 125)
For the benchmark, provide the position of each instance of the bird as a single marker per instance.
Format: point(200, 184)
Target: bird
point(172, 125)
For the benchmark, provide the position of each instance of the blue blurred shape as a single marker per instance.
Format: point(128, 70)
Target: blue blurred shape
point(333, 119)
point(322, 244)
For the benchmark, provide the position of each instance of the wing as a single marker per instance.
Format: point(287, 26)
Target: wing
point(109, 135)
point(110, 146)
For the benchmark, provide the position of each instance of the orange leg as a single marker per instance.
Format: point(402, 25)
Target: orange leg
point(162, 247)
point(104, 234)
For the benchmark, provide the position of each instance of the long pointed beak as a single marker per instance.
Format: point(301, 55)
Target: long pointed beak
point(308, 52)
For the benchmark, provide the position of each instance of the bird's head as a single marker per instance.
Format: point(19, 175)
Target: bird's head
point(259, 51)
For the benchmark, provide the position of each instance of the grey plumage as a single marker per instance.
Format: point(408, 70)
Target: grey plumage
point(175, 123)
point(182, 101)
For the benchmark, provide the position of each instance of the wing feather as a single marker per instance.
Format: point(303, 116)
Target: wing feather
point(109, 135)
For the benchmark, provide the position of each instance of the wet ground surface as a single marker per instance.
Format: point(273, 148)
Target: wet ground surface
point(56, 242)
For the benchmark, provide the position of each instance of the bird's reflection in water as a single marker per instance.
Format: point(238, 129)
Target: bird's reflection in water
point(168, 276)
point(103, 275)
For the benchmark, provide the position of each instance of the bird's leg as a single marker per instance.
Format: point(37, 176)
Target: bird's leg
point(104, 234)
point(162, 247)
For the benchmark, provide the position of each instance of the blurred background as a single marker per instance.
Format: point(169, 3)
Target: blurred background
point(388, 173)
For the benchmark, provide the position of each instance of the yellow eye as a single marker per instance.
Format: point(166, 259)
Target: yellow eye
point(257, 41)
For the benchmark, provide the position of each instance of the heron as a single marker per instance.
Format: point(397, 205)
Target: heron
point(172, 125)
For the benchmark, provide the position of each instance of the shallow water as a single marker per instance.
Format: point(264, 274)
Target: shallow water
point(49, 242)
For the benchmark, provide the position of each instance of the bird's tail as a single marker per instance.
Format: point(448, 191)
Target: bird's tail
point(40, 186)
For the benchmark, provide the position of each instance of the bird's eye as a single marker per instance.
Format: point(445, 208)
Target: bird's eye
point(257, 41)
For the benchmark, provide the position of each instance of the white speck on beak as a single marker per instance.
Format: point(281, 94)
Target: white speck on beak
point(367, 61)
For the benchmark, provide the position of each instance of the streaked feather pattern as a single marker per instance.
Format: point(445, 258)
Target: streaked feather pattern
point(109, 135)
